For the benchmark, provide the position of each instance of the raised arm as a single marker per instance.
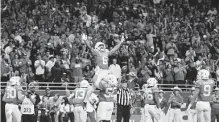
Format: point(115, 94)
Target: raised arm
point(116, 47)
point(85, 39)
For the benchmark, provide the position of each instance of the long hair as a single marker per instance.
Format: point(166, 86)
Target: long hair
point(65, 100)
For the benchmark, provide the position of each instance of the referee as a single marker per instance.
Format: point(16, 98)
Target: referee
point(124, 102)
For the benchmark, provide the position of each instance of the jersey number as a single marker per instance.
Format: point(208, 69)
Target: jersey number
point(207, 90)
point(27, 110)
point(105, 60)
point(149, 95)
point(80, 94)
point(11, 93)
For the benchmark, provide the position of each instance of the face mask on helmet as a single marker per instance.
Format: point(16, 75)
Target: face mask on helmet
point(100, 46)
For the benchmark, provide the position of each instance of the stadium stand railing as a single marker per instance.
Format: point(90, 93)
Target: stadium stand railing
point(41, 86)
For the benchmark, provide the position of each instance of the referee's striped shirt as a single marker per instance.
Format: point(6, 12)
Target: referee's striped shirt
point(124, 97)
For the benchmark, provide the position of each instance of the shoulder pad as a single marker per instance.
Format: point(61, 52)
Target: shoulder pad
point(155, 89)
point(198, 83)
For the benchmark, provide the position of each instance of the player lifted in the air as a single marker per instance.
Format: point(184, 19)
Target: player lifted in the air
point(13, 96)
point(107, 96)
point(101, 59)
point(152, 104)
point(203, 92)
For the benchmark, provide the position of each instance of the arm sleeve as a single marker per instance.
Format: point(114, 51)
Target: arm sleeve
point(157, 99)
point(37, 99)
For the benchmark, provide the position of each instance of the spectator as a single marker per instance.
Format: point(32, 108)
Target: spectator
point(179, 73)
point(16, 62)
point(191, 73)
point(115, 69)
point(190, 55)
point(44, 108)
point(40, 69)
point(76, 70)
point(65, 63)
point(5, 69)
point(215, 105)
point(54, 104)
point(25, 65)
point(56, 73)
point(88, 73)
point(49, 66)
point(169, 75)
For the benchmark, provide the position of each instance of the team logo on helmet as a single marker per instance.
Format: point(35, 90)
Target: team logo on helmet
point(152, 82)
point(16, 80)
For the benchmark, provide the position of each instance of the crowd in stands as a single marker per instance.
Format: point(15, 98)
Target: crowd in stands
point(170, 40)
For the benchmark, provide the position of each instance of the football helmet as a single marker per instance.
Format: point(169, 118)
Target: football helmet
point(152, 82)
point(84, 84)
point(203, 74)
point(98, 48)
point(15, 80)
point(111, 79)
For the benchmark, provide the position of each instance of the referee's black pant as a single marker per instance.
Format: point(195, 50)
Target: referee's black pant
point(123, 112)
point(27, 118)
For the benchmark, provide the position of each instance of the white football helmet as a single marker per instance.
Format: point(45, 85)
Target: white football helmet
point(152, 82)
point(97, 46)
point(15, 80)
point(203, 74)
point(111, 79)
point(84, 84)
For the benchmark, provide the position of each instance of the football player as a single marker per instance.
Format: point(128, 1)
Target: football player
point(91, 107)
point(107, 95)
point(78, 101)
point(13, 97)
point(203, 92)
point(101, 58)
point(152, 104)
point(192, 113)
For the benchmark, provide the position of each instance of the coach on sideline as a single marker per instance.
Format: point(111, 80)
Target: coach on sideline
point(175, 101)
point(215, 106)
point(124, 102)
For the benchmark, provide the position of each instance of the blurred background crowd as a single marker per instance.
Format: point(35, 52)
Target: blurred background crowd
point(167, 39)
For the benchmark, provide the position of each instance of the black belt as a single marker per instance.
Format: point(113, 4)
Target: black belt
point(123, 105)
